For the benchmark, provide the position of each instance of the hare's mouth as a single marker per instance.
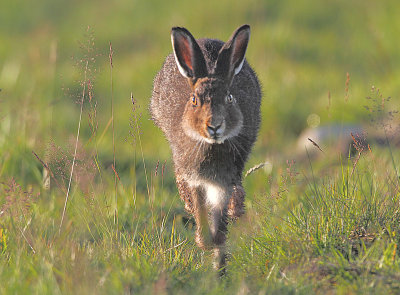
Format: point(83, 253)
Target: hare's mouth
point(205, 137)
point(213, 134)
point(215, 140)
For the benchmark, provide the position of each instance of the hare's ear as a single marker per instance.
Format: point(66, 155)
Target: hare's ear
point(188, 55)
point(231, 56)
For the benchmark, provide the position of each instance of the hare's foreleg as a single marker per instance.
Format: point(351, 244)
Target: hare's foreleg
point(236, 202)
point(203, 237)
point(185, 192)
point(218, 228)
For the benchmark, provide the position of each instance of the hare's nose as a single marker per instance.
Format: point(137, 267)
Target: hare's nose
point(213, 130)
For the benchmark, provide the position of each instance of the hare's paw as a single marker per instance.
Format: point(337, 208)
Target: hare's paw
point(220, 258)
point(184, 193)
point(203, 239)
point(236, 202)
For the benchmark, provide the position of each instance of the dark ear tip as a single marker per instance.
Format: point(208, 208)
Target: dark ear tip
point(244, 27)
point(174, 30)
point(179, 30)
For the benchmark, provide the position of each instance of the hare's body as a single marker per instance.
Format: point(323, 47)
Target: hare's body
point(210, 114)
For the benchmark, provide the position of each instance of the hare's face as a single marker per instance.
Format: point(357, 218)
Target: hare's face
point(211, 113)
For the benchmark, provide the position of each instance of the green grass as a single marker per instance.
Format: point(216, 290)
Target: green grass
point(325, 224)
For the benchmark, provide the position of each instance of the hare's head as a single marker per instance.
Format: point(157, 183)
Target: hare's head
point(212, 113)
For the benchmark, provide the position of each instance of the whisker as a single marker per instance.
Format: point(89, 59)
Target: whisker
point(236, 149)
point(239, 145)
point(199, 148)
point(190, 152)
point(241, 136)
point(231, 149)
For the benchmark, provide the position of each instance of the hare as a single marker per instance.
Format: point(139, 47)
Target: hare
point(206, 100)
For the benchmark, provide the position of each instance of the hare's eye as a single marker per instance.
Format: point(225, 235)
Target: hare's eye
point(229, 98)
point(194, 100)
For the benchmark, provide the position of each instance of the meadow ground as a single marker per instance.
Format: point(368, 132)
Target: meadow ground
point(319, 220)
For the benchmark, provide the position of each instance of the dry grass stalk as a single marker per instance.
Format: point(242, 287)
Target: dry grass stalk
point(134, 123)
point(113, 135)
point(359, 145)
point(86, 69)
point(255, 168)
point(315, 144)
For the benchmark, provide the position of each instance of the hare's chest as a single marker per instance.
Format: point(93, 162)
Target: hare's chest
point(215, 194)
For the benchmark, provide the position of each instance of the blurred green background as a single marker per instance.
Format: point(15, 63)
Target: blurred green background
point(301, 50)
point(317, 61)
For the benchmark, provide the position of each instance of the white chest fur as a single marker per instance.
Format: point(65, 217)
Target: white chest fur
point(215, 195)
